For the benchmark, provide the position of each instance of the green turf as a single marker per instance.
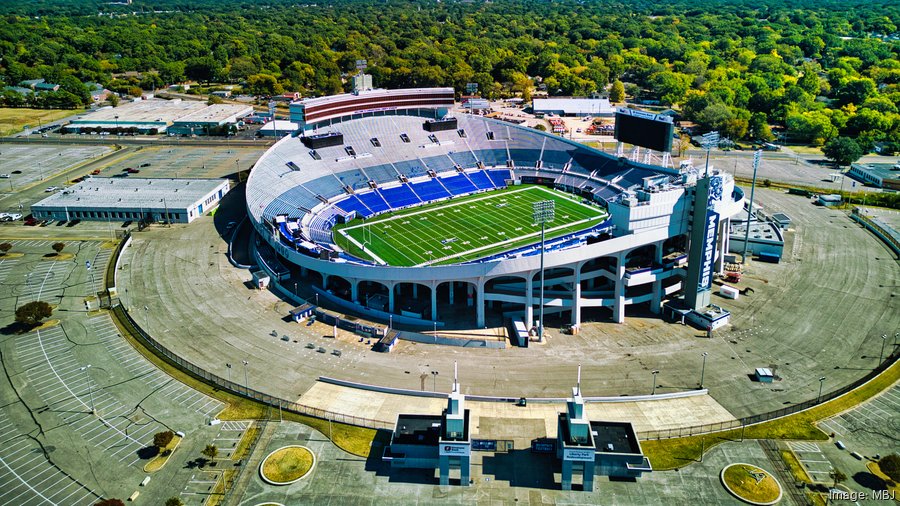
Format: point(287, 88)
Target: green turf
point(464, 229)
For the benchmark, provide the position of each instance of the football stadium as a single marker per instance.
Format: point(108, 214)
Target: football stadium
point(387, 206)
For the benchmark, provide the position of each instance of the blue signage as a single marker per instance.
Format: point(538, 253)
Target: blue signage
point(709, 250)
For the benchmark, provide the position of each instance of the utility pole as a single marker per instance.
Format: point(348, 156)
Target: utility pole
point(654, 373)
point(703, 368)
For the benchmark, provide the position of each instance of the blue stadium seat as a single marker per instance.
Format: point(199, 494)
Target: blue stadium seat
point(373, 201)
point(499, 177)
point(481, 180)
point(399, 196)
point(352, 203)
point(430, 190)
point(458, 185)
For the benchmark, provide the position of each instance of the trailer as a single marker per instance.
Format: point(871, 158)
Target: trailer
point(769, 257)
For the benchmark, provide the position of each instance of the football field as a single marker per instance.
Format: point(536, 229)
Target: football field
point(465, 228)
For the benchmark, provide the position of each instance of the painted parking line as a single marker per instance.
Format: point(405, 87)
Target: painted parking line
point(68, 391)
point(27, 477)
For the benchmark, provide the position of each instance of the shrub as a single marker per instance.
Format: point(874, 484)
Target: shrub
point(32, 313)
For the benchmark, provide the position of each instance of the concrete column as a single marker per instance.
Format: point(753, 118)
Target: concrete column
point(452, 286)
point(470, 295)
point(325, 281)
point(566, 477)
point(619, 300)
point(722, 246)
point(588, 476)
point(479, 303)
point(444, 465)
point(434, 301)
point(354, 290)
point(576, 297)
point(391, 298)
point(464, 470)
point(529, 302)
point(415, 290)
point(656, 297)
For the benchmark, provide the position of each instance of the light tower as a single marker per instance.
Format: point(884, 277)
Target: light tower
point(544, 212)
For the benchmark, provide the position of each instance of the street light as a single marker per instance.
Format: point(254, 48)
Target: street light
point(390, 321)
point(703, 368)
point(883, 341)
point(821, 382)
point(228, 367)
point(654, 373)
point(543, 212)
point(434, 375)
point(246, 383)
point(90, 390)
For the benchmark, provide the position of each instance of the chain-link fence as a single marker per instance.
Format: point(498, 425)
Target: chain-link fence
point(771, 415)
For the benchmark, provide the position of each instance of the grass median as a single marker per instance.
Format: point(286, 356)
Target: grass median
point(666, 454)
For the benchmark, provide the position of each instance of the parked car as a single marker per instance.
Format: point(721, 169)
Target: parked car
point(4, 176)
point(95, 172)
point(126, 224)
point(73, 222)
point(133, 171)
point(145, 164)
point(50, 189)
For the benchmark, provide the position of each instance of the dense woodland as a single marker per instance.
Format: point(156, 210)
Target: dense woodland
point(814, 69)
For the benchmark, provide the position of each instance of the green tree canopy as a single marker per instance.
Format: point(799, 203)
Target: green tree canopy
point(842, 151)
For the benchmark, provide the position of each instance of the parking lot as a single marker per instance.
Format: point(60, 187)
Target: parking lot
point(38, 162)
point(185, 162)
point(68, 388)
point(165, 387)
point(870, 425)
point(27, 477)
point(81, 406)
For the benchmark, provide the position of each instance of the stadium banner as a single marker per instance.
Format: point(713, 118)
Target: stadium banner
point(579, 455)
point(455, 450)
point(709, 250)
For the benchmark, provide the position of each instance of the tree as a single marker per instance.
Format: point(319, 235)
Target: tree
point(617, 92)
point(890, 465)
point(540, 127)
point(759, 128)
point(5, 247)
point(214, 99)
point(162, 439)
point(210, 451)
point(110, 502)
point(113, 99)
point(837, 475)
point(32, 313)
point(842, 151)
point(58, 247)
point(174, 501)
point(684, 140)
point(263, 84)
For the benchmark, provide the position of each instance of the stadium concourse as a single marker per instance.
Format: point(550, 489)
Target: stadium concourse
point(620, 235)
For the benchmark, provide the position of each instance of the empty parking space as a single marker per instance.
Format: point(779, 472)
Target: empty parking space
point(98, 266)
point(199, 487)
point(37, 162)
point(230, 434)
point(46, 281)
point(27, 477)
point(190, 162)
point(812, 459)
point(67, 388)
point(6, 265)
point(879, 413)
point(170, 389)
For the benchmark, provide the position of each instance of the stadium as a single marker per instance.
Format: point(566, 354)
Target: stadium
point(386, 206)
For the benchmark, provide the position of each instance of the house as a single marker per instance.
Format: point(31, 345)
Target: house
point(287, 97)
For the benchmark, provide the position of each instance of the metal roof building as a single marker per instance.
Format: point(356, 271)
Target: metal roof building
point(882, 175)
point(208, 120)
point(574, 106)
point(115, 198)
point(145, 116)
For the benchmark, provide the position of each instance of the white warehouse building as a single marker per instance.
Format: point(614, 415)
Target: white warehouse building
point(102, 199)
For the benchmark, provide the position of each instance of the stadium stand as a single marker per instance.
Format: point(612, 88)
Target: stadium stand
point(481, 180)
point(399, 196)
point(430, 190)
point(458, 185)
